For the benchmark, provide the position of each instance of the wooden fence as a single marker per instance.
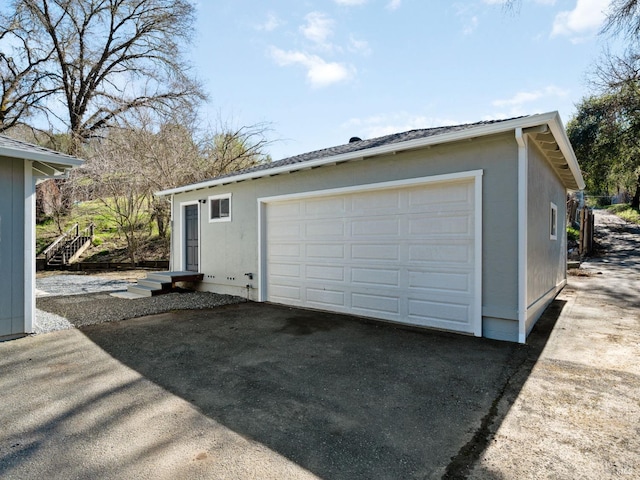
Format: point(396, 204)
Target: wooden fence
point(582, 216)
point(586, 231)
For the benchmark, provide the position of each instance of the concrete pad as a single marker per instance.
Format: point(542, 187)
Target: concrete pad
point(245, 391)
point(578, 413)
point(127, 295)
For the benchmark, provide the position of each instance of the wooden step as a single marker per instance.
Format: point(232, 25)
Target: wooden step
point(176, 276)
point(155, 284)
point(158, 283)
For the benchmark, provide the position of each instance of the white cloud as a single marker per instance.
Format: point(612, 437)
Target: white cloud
point(350, 3)
point(584, 19)
point(320, 73)
point(359, 46)
point(386, 124)
point(471, 26)
point(394, 4)
point(271, 23)
point(521, 98)
point(466, 14)
point(318, 28)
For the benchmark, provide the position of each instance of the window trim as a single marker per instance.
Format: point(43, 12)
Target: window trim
point(226, 196)
point(553, 222)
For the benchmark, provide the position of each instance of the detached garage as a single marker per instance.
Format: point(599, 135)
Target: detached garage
point(459, 228)
point(22, 165)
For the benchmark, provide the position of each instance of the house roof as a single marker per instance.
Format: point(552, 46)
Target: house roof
point(46, 162)
point(550, 131)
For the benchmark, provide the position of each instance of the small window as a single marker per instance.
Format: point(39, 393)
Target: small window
point(220, 208)
point(553, 217)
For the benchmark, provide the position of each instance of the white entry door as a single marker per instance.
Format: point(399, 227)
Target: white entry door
point(404, 254)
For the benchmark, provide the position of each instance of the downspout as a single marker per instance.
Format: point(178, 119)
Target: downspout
point(522, 234)
point(29, 248)
point(171, 234)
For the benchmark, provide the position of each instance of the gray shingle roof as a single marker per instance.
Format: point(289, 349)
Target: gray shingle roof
point(361, 145)
point(19, 149)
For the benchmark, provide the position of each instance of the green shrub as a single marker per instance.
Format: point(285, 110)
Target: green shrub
point(624, 211)
point(573, 234)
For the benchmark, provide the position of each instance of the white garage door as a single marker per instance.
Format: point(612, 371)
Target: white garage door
point(400, 254)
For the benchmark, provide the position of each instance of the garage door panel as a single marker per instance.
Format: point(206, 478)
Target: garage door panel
point(441, 311)
point(276, 250)
point(440, 281)
point(372, 226)
point(375, 252)
point(439, 225)
point(285, 269)
point(325, 297)
point(285, 230)
point(286, 293)
point(330, 251)
point(441, 254)
point(325, 272)
point(325, 228)
point(330, 207)
point(286, 211)
point(377, 304)
point(404, 254)
point(376, 203)
point(375, 276)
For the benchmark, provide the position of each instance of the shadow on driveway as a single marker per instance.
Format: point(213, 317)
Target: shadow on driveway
point(342, 398)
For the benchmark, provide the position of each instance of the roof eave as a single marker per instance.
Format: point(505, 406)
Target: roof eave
point(559, 132)
point(552, 119)
point(61, 161)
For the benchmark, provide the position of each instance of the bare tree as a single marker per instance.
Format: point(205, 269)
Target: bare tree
point(25, 79)
point(131, 163)
point(111, 57)
point(229, 148)
point(624, 18)
point(113, 175)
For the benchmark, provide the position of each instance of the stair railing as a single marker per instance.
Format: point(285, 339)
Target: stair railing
point(59, 243)
point(68, 244)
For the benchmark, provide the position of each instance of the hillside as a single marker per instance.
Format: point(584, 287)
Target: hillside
point(109, 244)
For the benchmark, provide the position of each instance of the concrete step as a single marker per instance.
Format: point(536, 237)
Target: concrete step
point(143, 291)
point(128, 295)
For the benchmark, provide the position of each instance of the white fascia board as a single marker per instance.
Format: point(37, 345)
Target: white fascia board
point(473, 132)
point(60, 161)
point(560, 134)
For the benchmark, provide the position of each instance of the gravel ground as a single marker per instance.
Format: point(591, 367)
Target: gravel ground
point(68, 301)
point(78, 285)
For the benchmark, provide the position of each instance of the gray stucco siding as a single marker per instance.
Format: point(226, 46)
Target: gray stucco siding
point(12, 275)
point(546, 257)
point(230, 249)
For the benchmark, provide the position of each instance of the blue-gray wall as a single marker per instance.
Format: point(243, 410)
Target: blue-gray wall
point(546, 258)
point(12, 241)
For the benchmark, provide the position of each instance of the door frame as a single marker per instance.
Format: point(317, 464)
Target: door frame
point(473, 175)
point(183, 234)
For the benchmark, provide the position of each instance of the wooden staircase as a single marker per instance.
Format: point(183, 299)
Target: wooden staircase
point(157, 283)
point(68, 247)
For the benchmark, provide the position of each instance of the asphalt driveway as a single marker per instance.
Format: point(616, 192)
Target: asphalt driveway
point(255, 391)
point(247, 391)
